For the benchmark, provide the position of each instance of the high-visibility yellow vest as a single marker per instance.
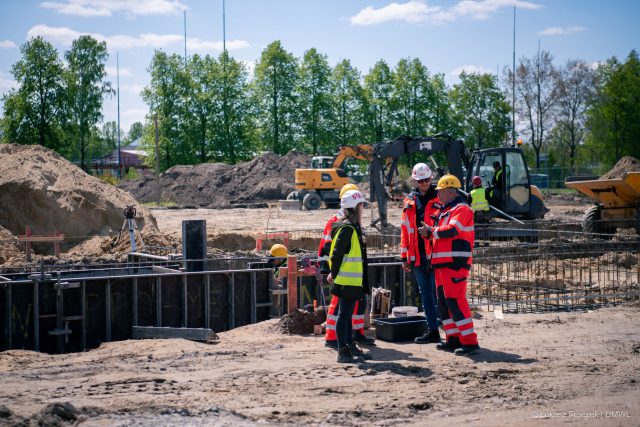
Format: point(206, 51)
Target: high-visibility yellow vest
point(351, 272)
point(479, 200)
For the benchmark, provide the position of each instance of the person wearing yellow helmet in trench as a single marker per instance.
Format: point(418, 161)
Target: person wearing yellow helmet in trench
point(359, 311)
point(278, 258)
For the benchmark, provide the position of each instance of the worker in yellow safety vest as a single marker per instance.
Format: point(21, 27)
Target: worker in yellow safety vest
point(478, 199)
point(348, 264)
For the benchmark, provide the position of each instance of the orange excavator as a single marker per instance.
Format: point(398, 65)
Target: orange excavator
point(323, 181)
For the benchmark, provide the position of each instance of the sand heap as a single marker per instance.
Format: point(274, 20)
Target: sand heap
point(219, 185)
point(41, 189)
point(624, 165)
point(8, 246)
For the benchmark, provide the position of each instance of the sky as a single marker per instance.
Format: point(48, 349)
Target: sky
point(448, 36)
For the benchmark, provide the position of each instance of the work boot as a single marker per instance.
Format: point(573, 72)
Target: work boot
point(466, 350)
point(331, 344)
point(363, 339)
point(429, 337)
point(345, 355)
point(450, 345)
point(358, 353)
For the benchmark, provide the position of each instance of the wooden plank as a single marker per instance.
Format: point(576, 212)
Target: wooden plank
point(45, 239)
point(193, 334)
point(292, 283)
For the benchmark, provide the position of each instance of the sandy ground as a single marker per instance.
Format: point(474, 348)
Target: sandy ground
point(553, 367)
point(564, 208)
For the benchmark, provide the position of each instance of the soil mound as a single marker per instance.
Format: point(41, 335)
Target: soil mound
point(41, 189)
point(9, 248)
point(219, 185)
point(624, 165)
point(300, 322)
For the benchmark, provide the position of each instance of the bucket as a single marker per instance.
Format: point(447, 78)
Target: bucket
point(404, 311)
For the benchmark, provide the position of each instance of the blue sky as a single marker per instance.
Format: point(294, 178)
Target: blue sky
point(447, 35)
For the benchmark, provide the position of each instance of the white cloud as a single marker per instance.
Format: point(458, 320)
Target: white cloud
point(412, 12)
point(113, 72)
point(7, 44)
point(65, 36)
point(92, 8)
point(127, 117)
point(134, 89)
point(561, 31)
point(418, 11)
point(469, 69)
point(7, 83)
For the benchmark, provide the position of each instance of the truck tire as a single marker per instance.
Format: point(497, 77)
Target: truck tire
point(311, 201)
point(636, 223)
point(593, 223)
point(537, 208)
point(292, 196)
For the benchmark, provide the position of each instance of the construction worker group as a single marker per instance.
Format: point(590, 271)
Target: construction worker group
point(436, 243)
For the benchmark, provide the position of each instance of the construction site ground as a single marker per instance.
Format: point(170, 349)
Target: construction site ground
point(577, 367)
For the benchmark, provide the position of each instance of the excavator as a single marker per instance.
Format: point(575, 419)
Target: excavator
point(521, 200)
point(323, 181)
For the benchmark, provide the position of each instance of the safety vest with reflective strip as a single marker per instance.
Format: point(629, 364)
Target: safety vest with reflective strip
point(453, 236)
point(409, 235)
point(479, 200)
point(325, 241)
point(351, 271)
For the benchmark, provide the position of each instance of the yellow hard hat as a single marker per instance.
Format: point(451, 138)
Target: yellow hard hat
point(448, 181)
point(279, 251)
point(348, 187)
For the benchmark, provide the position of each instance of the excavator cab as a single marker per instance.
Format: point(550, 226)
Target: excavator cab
point(517, 197)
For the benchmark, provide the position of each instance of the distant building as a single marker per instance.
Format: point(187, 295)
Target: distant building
point(131, 157)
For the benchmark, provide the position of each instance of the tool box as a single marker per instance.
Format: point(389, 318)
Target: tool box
point(400, 328)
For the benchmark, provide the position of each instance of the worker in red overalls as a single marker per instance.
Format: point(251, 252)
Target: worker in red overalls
point(452, 237)
point(357, 321)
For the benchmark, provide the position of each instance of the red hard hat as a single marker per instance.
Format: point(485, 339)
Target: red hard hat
point(476, 180)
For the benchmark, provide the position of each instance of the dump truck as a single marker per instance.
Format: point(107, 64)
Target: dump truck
point(617, 203)
point(323, 181)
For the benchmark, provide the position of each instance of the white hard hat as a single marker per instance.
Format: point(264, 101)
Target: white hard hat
point(351, 199)
point(421, 171)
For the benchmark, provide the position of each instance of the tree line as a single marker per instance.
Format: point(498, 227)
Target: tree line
point(211, 108)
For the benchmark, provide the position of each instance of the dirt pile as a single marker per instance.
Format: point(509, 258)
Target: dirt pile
point(9, 248)
point(624, 165)
point(41, 189)
point(216, 185)
point(300, 322)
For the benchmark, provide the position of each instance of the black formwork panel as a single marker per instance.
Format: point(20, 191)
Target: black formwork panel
point(390, 277)
point(196, 285)
point(121, 309)
point(219, 307)
point(72, 308)
point(307, 290)
point(171, 297)
point(17, 319)
point(96, 316)
point(47, 315)
point(242, 299)
point(262, 295)
point(146, 297)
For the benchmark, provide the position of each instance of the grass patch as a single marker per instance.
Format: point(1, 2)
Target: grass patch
point(160, 204)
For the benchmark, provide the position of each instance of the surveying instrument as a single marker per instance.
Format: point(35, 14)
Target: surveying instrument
point(130, 222)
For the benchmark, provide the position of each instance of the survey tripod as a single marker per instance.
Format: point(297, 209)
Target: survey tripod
point(130, 222)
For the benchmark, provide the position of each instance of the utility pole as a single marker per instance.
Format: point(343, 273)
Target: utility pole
point(118, 89)
point(513, 84)
point(155, 122)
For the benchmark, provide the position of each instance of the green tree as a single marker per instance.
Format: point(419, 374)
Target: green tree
point(378, 85)
point(481, 110)
point(135, 131)
point(274, 96)
point(165, 96)
point(613, 117)
point(314, 102)
point(410, 98)
point(348, 101)
point(86, 87)
point(574, 88)
point(34, 113)
point(535, 99)
point(441, 112)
